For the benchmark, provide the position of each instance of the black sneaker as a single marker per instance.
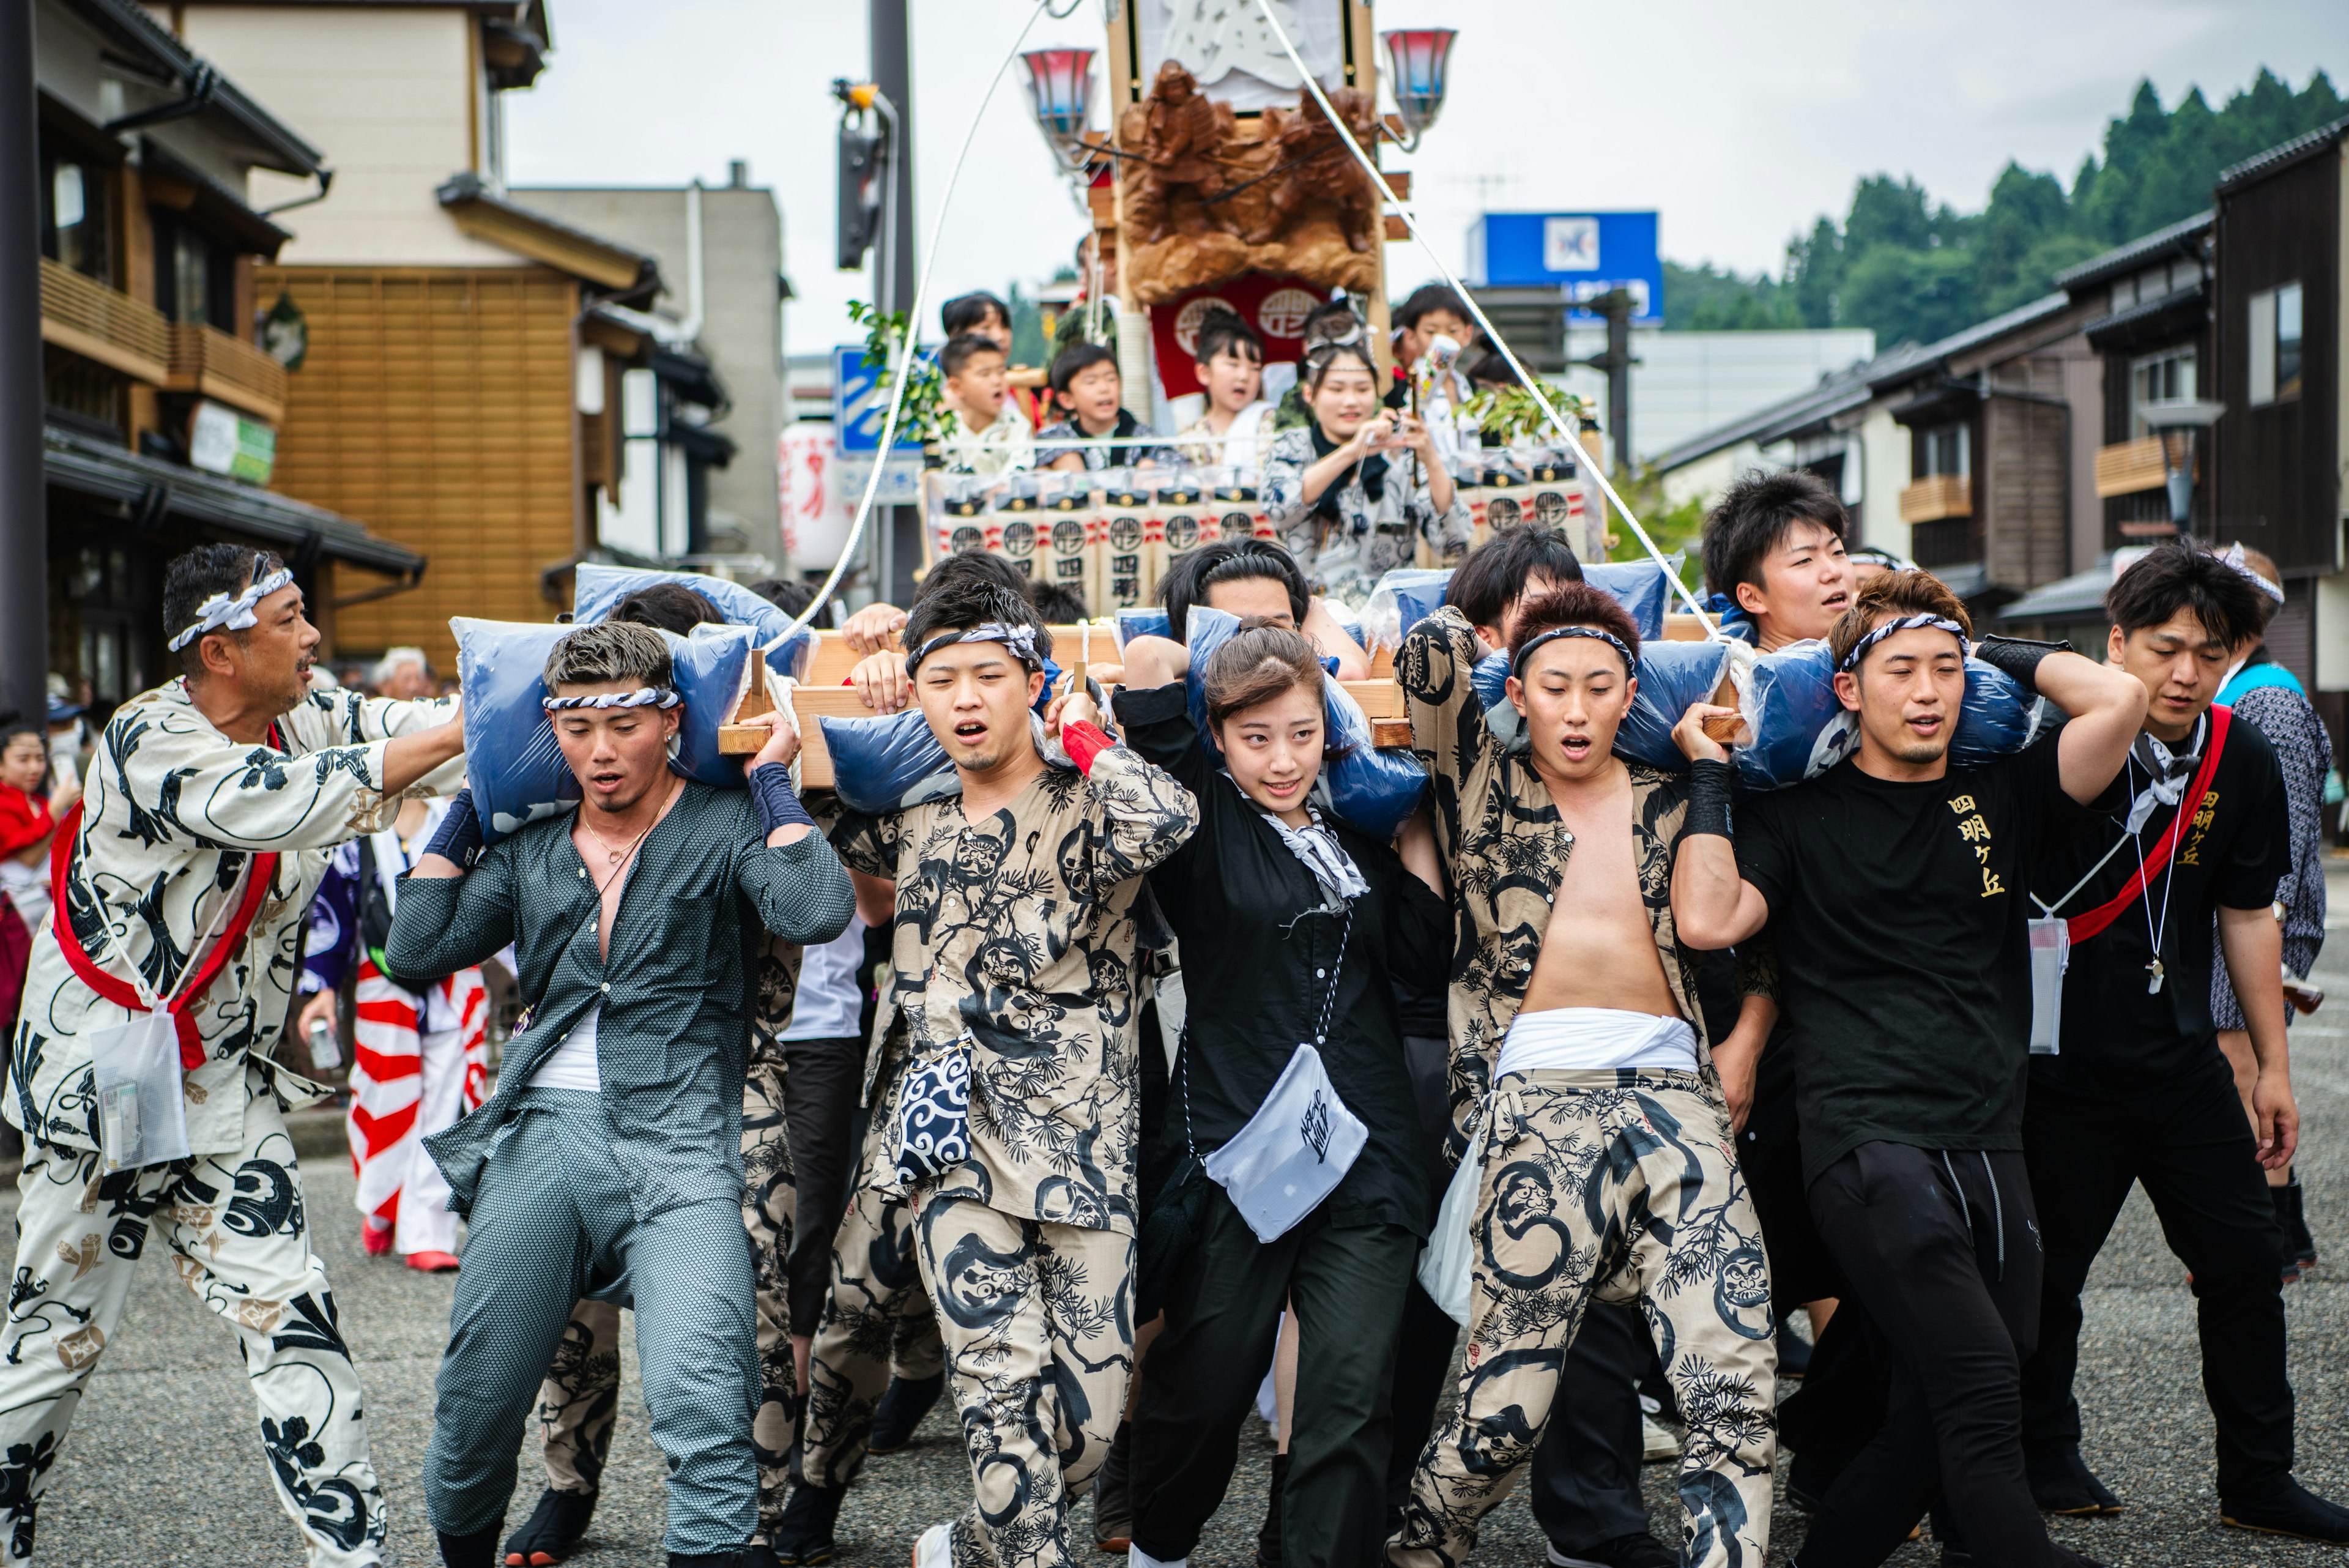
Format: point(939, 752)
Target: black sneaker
point(802, 1537)
point(552, 1530)
point(2287, 1508)
point(1113, 1504)
point(1267, 1534)
point(1641, 1550)
point(2062, 1482)
point(1794, 1353)
point(903, 1405)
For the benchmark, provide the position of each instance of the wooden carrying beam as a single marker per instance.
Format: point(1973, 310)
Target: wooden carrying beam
point(1381, 700)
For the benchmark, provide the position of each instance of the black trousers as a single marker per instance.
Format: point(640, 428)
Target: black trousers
point(1941, 1250)
point(1422, 1364)
point(1223, 1315)
point(820, 1092)
point(1839, 1404)
point(1586, 1473)
point(2191, 1145)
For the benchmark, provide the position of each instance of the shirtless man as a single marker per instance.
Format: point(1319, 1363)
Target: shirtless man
point(1580, 1071)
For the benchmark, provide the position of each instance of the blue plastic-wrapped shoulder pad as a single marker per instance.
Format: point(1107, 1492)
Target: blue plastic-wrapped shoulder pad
point(515, 770)
point(597, 590)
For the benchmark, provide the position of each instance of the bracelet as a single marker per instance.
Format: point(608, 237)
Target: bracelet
point(460, 838)
point(778, 804)
point(1711, 784)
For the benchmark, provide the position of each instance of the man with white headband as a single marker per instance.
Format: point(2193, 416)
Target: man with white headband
point(1007, 1124)
point(1896, 885)
point(1582, 1085)
point(140, 1071)
point(609, 1163)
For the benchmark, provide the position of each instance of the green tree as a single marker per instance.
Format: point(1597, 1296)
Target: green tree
point(1912, 269)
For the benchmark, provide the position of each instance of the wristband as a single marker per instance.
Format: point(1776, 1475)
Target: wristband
point(778, 806)
point(460, 838)
point(1711, 785)
point(2018, 657)
point(1083, 743)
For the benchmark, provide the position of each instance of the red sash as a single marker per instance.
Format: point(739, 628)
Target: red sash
point(122, 995)
point(2083, 925)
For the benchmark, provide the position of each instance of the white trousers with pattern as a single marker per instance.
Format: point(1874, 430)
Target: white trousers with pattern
point(235, 1227)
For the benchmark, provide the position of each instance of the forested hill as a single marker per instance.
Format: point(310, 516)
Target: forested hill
point(1916, 270)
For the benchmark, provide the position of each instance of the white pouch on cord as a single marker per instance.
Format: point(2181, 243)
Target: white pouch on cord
point(1293, 1152)
point(2051, 954)
point(1447, 1264)
point(142, 1111)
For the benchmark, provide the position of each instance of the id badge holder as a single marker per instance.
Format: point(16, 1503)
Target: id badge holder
point(2051, 953)
point(142, 1114)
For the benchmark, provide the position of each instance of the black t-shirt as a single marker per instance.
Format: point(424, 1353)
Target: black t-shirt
point(2115, 1033)
point(1904, 967)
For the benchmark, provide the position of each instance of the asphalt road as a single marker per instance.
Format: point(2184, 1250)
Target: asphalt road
point(164, 1466)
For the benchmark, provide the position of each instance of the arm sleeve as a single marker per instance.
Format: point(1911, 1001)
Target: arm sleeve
point(179, 775)
point(444, 924)
point(1143, 815)
point(870, 844)
point(1157, 726)
point(1762, 859)
point(1284, 494)
point(343, 718)
point(2258, 863)
point(1447, 719)
point(1757, 966)
point(1447, 531)
point(800, 889)
point(332, 935)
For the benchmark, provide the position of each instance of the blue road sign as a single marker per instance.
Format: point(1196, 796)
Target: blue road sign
point(1585, 254)
point(859, 405)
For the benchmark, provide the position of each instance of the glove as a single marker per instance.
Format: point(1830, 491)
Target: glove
point(778, 806)
point(460, 838)
point(2017, 657)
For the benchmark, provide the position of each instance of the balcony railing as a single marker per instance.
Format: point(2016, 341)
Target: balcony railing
point(1936, 496)
point(2127, 467)
point(86, 317)
point(228, 370)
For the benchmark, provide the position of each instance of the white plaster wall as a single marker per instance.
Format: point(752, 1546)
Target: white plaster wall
point(388, 93)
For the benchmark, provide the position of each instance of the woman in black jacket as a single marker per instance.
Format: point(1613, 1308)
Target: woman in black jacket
point(1292, 926)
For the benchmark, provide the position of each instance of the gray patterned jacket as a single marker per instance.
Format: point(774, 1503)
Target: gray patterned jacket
point(677, 993)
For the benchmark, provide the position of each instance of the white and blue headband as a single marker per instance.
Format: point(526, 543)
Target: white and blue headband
point(1020, 640)
point(222, 613)
point(642, 697)
point(1905, 623)
point(1631, 661)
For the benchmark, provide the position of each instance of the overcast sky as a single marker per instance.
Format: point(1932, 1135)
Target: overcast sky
point(1739, 123)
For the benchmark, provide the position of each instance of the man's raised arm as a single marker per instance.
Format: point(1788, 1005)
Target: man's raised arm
point(1712, 904)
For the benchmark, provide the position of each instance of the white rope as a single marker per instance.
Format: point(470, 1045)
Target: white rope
point(898, 379)
point(1532, 384)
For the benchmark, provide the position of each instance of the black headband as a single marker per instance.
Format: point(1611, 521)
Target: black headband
point(1631, 660)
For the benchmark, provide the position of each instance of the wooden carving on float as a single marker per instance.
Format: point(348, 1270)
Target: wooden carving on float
point(1209, 197)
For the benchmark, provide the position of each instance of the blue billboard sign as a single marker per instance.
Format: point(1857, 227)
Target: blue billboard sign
point(1583, 254)
point(860, 406)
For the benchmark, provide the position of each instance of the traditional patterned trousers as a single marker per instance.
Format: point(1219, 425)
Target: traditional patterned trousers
point(579, 1403)
point(235, 1227)
point(406, 1087)
point(877, 1324)
point(1038, 1323)
point(1620, 1187)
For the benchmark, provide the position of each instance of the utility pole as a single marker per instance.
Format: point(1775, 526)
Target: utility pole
point(23, 509)
point(1616, 305)
point(900, 546)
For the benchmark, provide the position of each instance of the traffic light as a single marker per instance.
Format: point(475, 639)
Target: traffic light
point(860, 193)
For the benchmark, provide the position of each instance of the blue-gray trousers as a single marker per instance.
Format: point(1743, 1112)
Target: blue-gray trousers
point(552, 1222)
